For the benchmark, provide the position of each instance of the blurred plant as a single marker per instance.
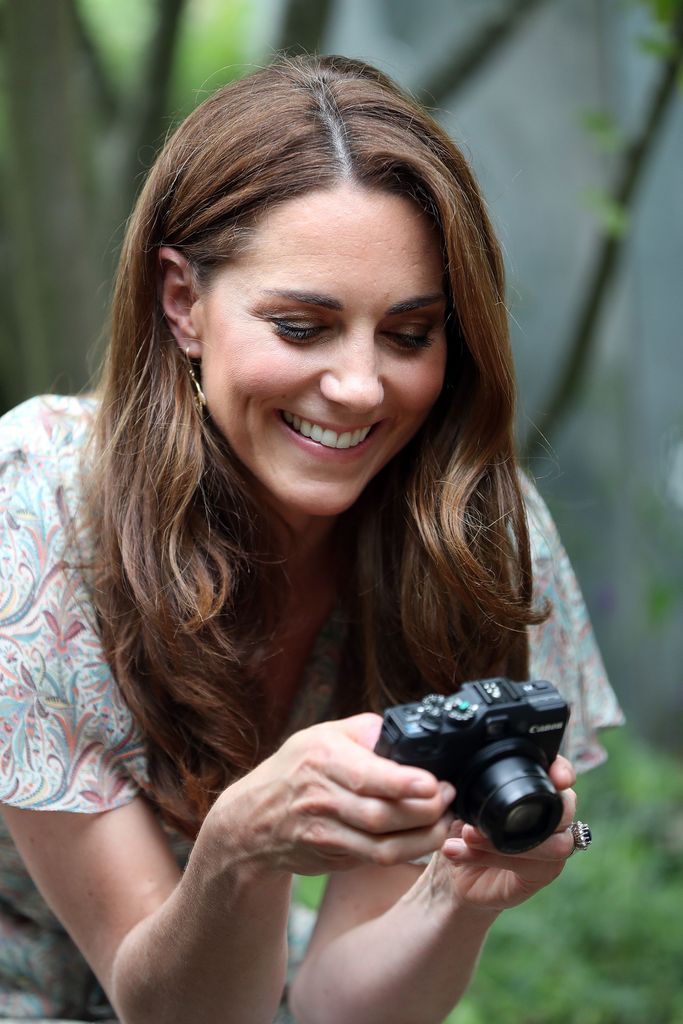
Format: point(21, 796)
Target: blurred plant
point(603, 944)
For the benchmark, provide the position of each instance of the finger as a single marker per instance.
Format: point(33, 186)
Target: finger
point(339, 846)
point(402, 847)
point(339, 751)
point(363, 729)
point(382, 817)
point(530, 869)
point(366, 773)
point(556, 847)
point(562, 773)
point(569, 810)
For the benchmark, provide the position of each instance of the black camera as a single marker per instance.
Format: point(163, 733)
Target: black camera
point(494, 741)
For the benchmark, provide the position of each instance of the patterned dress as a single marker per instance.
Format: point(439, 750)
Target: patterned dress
point(67, 739)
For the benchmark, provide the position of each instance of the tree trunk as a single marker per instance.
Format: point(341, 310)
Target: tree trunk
point(56, 297)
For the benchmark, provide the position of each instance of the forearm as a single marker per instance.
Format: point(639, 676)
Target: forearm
point(410, 964)
point(216, 951)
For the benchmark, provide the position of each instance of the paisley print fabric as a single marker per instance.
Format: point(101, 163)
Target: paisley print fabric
point(67, 739)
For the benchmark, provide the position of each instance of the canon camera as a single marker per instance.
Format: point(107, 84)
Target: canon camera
point(494, 740)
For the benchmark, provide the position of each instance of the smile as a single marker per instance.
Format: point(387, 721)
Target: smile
point(323, 435)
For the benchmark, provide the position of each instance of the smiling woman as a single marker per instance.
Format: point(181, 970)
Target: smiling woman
point(293, 501)
point(312, 323)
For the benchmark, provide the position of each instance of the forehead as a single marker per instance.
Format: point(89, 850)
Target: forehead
point(365, 234)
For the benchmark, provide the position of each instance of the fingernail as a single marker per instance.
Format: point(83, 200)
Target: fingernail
point(447, 792)
point(454, 847)
point(422, 787)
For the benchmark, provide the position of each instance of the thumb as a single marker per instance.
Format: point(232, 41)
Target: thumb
point(364, 729)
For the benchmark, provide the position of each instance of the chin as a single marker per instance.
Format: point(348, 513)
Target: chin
point(319, 508)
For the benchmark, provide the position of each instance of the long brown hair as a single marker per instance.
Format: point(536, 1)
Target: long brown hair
point(185, 577)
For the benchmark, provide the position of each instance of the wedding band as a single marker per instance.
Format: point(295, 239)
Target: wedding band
point(581, 834)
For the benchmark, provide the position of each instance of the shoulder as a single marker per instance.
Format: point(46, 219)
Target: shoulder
point(68, 741)
point(41, 445)
point(543, 536)
point(553, 576)
point(563, 648)
point(46, 424)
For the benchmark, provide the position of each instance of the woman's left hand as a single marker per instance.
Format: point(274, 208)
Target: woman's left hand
point(483, 878)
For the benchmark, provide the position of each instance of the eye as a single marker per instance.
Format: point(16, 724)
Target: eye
point(410, 341)
point(293, 331)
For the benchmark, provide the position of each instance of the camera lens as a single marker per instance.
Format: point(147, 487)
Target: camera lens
point(524, 817)
point(514, 803)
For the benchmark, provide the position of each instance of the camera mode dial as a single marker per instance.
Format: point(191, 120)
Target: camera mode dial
point(431, 711)
point(459, 710)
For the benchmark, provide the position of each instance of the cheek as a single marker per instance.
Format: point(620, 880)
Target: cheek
point(426, 384)
point(241, 371)
point(241, 390)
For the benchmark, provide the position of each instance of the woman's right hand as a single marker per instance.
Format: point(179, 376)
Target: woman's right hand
point(325, 802)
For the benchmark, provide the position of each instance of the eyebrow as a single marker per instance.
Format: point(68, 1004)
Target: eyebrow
point(327, 302)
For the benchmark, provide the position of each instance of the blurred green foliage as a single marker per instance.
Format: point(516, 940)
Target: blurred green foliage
point(604, 943)
point(121, 31)
point(612, 215)
point(603, 129)
point(211, 47)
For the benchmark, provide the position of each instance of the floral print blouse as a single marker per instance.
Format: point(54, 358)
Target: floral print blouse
point(67, 739)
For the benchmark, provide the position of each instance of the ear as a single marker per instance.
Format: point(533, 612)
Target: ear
point(178, 296)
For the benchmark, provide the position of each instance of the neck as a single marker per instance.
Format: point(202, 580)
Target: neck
point(307, 547)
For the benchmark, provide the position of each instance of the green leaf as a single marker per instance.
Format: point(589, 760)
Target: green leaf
point(603, 128)
point(212, 50)
point(660, 602)
point(664, 11)
point(120, 31)
point(657, 46)
point(613, 216)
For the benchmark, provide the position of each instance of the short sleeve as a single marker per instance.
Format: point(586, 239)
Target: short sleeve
point(563, 649)
point(67, 738)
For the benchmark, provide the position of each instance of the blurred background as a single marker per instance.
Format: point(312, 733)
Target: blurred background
point(571, 112)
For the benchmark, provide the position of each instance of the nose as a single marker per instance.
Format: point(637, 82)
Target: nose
point(353, 379)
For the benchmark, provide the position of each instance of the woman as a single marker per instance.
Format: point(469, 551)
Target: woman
point(294, 502)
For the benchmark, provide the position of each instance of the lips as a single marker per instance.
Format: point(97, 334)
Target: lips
point(324, 435)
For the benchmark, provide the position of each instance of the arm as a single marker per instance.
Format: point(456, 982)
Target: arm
point(205, 945)
point(411, 961)
point(410, 939)
point(210, 945)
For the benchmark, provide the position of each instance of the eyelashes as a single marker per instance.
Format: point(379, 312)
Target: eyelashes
point(299, 333)
point(412, 341)
point(294, 332)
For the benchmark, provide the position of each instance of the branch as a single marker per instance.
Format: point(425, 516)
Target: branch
point(103, 90)
point(632, 166)
point(454, 72)
point(151, 107)
point(303, 25)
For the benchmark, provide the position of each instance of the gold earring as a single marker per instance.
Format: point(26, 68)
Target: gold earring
point(199, 396)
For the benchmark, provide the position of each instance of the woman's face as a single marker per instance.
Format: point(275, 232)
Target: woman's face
point(323, 346)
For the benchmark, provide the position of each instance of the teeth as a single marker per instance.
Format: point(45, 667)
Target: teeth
point(323, 435)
